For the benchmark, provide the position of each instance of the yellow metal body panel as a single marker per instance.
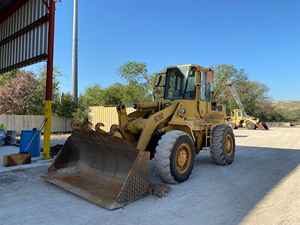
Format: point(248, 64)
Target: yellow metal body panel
point(196, 115)
point(239, 120)
point(152, 123)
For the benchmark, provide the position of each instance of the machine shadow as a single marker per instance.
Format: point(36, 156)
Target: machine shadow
point(241, 136)
point(237, 189)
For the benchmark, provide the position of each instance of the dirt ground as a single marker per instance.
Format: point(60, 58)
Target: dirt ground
point(260, 188)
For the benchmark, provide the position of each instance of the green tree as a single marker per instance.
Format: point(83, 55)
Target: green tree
point(266, 111)
point(134, 93)
point(290, 110)
point(127, 94)
point(114, 94)
point(223, 75)
point(36, 103)
point(138, 87)
point(252, 94)
point(66, 106)
point(136, 73)
point(5, 77)
point(28, 88)
point(92, 96)
point(80, 116)
point(16, 94)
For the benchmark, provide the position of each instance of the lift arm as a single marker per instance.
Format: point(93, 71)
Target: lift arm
point(236, 97)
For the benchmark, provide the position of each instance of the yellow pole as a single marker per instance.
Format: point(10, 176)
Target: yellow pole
point(47, 130)
point(49, 81)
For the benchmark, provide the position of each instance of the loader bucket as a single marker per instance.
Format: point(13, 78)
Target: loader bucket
point(102, 169)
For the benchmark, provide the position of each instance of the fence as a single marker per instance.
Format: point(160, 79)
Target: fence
point(105, 115)
point(24, 122)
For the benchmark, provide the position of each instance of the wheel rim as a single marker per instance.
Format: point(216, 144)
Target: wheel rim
point(228, 148)
point(183, 158)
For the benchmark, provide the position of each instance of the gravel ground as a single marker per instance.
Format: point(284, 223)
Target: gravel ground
point(260, 188)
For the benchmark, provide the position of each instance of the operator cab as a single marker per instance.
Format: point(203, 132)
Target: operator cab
point(186, 82)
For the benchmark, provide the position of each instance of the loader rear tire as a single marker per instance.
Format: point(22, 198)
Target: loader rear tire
point(174, 158)
point(222, 149)
point(265, 125)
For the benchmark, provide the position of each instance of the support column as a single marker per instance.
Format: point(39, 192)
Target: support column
point(49, 82)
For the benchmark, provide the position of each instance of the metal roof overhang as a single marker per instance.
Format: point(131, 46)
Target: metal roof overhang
point(22, 41)
point(7, 7)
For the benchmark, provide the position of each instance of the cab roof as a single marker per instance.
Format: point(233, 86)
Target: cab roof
point(185, 67)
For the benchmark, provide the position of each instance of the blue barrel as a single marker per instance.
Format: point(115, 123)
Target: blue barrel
point(31, 142)
point(2, 137)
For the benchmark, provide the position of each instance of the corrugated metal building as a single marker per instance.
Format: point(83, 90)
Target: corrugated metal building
point(106, 115)
point(23, 34)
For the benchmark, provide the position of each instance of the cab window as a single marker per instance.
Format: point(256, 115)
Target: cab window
point(190, 88)
point(206, 88)
point(174, 84)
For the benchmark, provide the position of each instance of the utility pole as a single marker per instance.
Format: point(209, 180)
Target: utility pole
point(75, 52)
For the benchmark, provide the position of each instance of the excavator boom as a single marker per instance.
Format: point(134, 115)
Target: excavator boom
point(248, 121)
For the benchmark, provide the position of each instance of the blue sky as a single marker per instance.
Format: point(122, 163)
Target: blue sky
point(263, 37)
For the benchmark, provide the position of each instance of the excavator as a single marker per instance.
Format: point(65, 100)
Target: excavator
point(111, 169)
point(239, 117)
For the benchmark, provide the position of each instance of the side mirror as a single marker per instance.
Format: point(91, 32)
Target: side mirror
point(158, 80)
point(159, 85)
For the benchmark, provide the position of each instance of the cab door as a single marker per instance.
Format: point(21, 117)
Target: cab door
point(205, 94)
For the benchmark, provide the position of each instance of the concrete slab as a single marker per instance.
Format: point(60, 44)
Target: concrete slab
point(6, 150)
point(260, 188)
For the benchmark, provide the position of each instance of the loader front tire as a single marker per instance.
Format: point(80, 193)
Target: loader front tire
point(174, 158)
point(250, 125)
point(222, 149)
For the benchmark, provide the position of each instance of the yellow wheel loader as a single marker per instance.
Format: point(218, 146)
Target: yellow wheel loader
point(238, 119)
point(111, 168)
